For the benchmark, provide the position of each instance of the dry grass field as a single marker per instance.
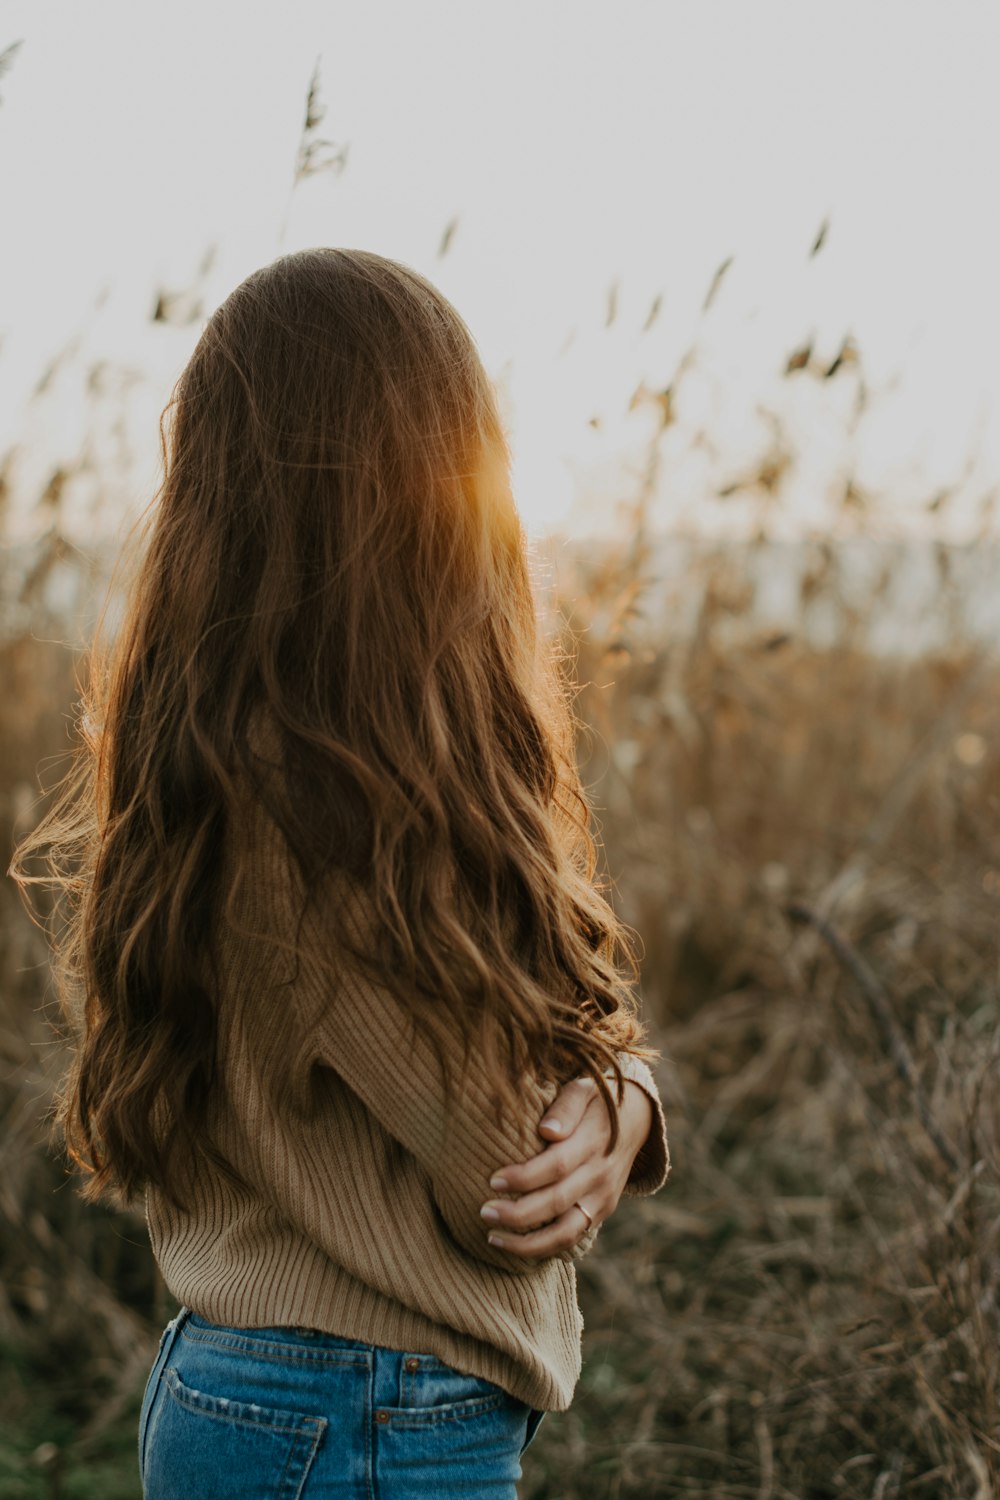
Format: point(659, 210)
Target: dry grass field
point(808, 843)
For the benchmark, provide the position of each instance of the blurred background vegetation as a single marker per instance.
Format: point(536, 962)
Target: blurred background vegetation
point(798, 810)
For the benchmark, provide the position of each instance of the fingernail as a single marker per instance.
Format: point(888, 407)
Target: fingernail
point(495, 1239)
point(498, 1183)
point(555, 1125)
point(489, 1213)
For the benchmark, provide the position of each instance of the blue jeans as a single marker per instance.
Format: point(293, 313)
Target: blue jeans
point(284, 1413)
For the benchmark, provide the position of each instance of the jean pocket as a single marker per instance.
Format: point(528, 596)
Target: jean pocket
point(434, 1391)
point(206, 1446)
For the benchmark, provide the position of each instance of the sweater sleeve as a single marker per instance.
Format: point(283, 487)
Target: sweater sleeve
point(359, 1029)
point(652, 1164)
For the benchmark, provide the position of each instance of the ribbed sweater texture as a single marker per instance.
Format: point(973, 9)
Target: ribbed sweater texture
point(363, 1216)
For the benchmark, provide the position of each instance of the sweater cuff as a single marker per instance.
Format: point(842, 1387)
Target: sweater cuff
point(652, 1164)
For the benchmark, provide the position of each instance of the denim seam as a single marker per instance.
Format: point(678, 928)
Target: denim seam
point(369, 1433)
point(261, 1350)
point(318, 1437)
point(152, 1385)
point(167, 1340)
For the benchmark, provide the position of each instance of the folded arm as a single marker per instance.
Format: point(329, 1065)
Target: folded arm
point(360, 1030)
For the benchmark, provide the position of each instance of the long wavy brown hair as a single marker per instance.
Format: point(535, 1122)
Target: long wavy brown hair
point(334, 553)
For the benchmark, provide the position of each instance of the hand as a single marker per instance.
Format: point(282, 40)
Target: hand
point(572, 1167)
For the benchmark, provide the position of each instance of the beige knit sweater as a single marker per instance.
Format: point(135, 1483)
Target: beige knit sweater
point(363, 1219)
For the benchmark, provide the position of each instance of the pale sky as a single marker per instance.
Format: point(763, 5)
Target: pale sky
point(579, 145)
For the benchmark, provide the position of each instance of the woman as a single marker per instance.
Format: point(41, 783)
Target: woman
point(334, 943)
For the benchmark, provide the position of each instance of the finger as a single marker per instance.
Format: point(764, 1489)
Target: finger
point(568, 1108)
point(562, 1234)
point(557, 1160)
point(551, 1165)
point(534, 1210)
